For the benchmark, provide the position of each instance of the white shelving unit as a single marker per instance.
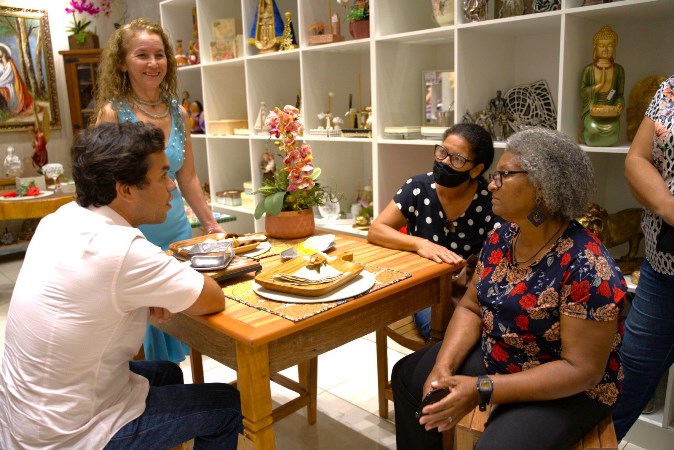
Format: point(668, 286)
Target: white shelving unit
point(487, 56)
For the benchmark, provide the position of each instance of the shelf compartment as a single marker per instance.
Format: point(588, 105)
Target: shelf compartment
point(337, 72)
point(401, 91)
point(498, 57)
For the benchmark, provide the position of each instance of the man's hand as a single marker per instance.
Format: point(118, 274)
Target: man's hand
point(161, 315)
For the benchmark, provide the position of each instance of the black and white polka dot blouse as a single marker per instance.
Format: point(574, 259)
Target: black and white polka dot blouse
point(418, 201)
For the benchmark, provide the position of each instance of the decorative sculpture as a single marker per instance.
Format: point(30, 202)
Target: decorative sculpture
point(531, 105)
point(511, 8)
point(475, 10)
point(615, 229)
point(640, 98)
point(601, 89)
point(267, 30)
point(288, 41)
point(546, 5)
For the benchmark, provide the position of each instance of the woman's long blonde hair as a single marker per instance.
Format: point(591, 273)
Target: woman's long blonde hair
point(113, 83)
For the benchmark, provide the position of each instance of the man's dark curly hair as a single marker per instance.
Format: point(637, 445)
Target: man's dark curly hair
point(111, 152)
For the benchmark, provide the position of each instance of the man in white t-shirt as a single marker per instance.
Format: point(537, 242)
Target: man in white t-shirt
point(79, 309)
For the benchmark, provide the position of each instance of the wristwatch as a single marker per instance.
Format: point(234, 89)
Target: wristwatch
point(485, 387)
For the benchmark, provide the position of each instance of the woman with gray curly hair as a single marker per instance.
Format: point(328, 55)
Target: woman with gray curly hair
point(538, 331)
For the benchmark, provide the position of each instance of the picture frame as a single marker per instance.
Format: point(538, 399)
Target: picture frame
point(28, 95)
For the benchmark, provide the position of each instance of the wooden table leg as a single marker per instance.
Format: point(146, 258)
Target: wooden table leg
point(197, 366)
point(442, 311)
point(308, 377)
point(253, 380)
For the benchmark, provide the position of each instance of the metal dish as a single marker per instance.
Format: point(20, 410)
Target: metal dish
point(211, 262)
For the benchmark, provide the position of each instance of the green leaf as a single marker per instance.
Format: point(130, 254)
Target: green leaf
point(316, 173)
point(259, 210)
point(274, 203)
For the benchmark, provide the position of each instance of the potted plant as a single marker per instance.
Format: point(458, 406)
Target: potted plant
point(358, 16)
point(80, 36)
point(291, 194)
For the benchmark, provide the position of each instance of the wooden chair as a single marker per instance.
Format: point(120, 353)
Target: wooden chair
point(405, 333)
point(470, 428)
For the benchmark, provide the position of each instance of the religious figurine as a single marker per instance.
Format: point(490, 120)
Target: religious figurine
point(288, 40)
point(193, 55)
point(601, 89)
point(265, 38)
point(195, 117)
point(181, 59)
point(40, 138)
point(260, 126)
point(267, 166)
point(475, 10)
point(186, 102)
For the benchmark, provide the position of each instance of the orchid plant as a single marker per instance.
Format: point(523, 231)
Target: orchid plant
point(79, 27)
point(293, 188)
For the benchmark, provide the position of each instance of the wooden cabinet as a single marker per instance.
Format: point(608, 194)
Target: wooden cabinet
point(386, 69)
point(80, 68)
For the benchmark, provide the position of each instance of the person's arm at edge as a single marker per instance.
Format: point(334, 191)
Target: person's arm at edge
point(643, 178)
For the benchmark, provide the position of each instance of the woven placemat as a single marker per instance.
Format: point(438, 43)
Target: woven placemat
point(277, 246)
point(243, 293)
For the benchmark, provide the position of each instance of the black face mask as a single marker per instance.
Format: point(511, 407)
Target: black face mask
point(448, 177)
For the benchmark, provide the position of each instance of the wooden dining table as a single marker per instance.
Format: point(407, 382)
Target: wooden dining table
point(258, 344)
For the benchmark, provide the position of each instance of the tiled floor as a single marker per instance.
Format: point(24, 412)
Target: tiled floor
point(347, 390)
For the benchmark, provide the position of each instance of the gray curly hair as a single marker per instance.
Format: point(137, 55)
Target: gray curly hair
point(558, 167)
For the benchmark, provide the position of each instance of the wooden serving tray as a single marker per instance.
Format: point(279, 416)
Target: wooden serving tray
point(343, 263)
point(181, 254)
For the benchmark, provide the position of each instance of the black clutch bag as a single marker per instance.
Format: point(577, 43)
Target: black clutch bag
point(665, 240)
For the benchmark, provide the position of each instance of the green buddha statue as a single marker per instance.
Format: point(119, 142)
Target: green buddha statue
point(601, 89)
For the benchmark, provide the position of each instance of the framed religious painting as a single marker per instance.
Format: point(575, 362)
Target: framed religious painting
point(27, 82)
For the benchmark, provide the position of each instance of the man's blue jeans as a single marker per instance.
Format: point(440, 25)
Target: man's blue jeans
point(175, 412)
point(648, 346)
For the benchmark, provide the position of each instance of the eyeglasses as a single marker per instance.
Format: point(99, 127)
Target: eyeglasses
point(497, 177)
point(455, 160)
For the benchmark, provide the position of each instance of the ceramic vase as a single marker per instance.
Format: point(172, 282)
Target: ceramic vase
point(290, 224)
point(359, 29)
point(443, 12)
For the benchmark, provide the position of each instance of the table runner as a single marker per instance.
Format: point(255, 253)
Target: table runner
point(243, 293)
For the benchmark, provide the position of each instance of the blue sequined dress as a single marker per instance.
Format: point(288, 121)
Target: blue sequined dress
point(157, 344)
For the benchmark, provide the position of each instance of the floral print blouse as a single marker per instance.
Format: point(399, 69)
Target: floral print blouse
point(521, 306)
point(661, 110)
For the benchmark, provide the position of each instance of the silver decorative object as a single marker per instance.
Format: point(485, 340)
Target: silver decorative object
point(546, 5)
point(531, 105)
point(475, 10)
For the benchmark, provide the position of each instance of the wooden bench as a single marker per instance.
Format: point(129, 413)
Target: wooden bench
point(470, 428)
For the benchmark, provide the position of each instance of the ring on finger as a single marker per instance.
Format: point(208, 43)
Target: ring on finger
point(449, 419)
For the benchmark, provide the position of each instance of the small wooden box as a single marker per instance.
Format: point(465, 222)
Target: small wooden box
point(225, 127)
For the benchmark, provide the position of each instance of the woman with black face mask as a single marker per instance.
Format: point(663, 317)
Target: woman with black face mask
point(447, 212)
